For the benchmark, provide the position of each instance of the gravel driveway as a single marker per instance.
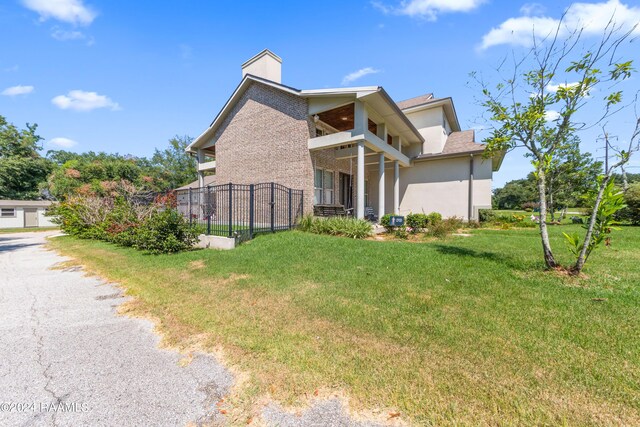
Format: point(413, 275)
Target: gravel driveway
point(67, 359)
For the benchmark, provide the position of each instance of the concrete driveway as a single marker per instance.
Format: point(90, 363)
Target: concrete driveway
point(67, 359)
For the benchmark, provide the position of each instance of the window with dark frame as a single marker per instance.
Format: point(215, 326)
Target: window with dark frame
point(7, 212)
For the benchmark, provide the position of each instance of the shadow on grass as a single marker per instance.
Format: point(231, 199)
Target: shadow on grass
point(496, 257)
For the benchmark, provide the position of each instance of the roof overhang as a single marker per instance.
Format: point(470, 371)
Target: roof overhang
point(382, 104)
point(206, 136)
point(374, 96)
point(496, 160)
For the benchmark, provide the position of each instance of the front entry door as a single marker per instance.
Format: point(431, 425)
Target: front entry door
point(30, 217)
point(346, 190)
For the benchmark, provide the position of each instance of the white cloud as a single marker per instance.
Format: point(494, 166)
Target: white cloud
point(554, 88)
point(71, 11)
point(532, 9)
point(551, 115)
point(592, 17)
point(62, 142)
point(17, 90)
point(84, 101)
point(429, 9)
point(352, 77)
point(66, 35)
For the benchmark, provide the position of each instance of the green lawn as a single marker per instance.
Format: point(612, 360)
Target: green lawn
point(468, 330)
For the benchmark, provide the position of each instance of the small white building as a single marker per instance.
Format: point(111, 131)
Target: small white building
point(24, 214)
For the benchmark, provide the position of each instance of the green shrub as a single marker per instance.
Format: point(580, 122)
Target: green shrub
point(385, 221)
point(401, 233)
point(439, 230)
point(81, 216)
point(530, 206)
point(155, 228)
point(631, 213)
point(444, 228)
point(415, 222)
point(336, 226)
point(165, 231)
point(434, 218)
point(486, 215)
point(305, 223)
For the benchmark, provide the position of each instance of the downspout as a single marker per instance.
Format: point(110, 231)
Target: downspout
point(470, 213)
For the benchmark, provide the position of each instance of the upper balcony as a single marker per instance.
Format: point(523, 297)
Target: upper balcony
point(343, 126)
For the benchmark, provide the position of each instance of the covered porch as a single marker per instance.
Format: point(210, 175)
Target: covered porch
point(369, 134)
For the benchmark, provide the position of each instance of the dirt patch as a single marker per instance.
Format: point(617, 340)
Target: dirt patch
point(197, 264)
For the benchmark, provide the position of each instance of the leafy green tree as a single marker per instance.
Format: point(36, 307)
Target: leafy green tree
point(96, 173)
point(173, 166)
point(571, 176)
point(515, 193)
point(100, 173)
point(521, 107)
point(22, 169)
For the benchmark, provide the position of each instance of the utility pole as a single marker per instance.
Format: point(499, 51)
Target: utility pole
point(606, 137)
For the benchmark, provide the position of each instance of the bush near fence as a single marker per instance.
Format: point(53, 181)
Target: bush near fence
point(155, 227)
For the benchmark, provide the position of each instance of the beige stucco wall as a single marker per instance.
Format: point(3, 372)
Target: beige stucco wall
point(439, 186)
point(429, 124)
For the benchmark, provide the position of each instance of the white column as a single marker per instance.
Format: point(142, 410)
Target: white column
point(360, 117)
point(201, 159)
point(381, 186)
point(396, 188)
point(360, 180)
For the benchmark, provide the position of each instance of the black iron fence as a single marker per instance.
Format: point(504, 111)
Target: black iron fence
point(241, 211)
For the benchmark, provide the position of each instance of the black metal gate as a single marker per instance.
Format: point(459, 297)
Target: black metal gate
point(241, 211)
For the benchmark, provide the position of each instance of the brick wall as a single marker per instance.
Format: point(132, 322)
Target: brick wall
point(264, 139)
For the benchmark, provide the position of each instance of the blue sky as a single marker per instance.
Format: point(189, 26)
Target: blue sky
point(125, 77)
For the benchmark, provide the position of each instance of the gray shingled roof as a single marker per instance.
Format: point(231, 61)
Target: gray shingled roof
point(462, 142)
point(414, 102)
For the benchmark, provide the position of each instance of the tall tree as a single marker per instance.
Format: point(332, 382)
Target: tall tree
point(515, 193)
point(22, 169)
point(174, 167)
point(571, 176)
point(522, 106)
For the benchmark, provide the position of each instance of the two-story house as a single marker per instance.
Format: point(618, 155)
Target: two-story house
point(354, 147)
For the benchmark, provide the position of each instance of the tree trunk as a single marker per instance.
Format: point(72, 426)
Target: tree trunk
point(552, 208)
point(582, 258)
point(549, 259)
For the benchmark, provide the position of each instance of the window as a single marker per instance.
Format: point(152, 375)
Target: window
point(317, 190)
point(320, 132)
point(366, 192)
point(389, 139)
point(323, 187)
point(327, 198)
point(8, 212)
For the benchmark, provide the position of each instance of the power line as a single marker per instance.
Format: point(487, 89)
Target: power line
point(606, 138)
